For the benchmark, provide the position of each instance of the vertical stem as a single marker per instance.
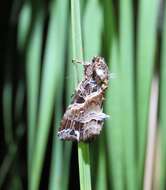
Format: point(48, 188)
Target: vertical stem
point(84, 166)
point(162, 111)
point(83, 149)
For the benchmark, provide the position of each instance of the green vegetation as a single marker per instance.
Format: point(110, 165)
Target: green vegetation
point(39, 78)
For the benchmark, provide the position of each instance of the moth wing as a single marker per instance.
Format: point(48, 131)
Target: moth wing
point(97, 116)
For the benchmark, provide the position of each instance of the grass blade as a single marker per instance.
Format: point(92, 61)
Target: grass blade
point(127, 69)
point(33, 64)
point(83, 149)
point(114, 125)
point(57, 173)
point(162, 118)
point(101, 173)
point(76, 38)
point(92, 29)
point(69, 91)
point(146, 40)
point(50, 81)
point(84, 166)
point(151, 138)
point(92, 35)
point(24, 25)
point(56, 177)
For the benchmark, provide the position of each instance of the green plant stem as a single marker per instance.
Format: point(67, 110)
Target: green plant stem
point(84, 166)
point(114, 126)
point(126, 66)
point(92, 33)
point(50, 75)
point(83, 149)
point(76, 39)
point(146, 44)
point(162, 118)
point(58, 176)
point(33, 61)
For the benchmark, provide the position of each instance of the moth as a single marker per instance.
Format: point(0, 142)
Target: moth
point(84, 117)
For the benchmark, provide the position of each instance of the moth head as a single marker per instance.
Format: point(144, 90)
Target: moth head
point(101, 73)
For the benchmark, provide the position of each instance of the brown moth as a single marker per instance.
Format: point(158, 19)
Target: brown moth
point(83, 119)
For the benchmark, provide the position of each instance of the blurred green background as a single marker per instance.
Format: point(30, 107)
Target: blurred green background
point(38, 41)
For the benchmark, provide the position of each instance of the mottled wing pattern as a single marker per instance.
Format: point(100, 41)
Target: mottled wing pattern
point(83, 119)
